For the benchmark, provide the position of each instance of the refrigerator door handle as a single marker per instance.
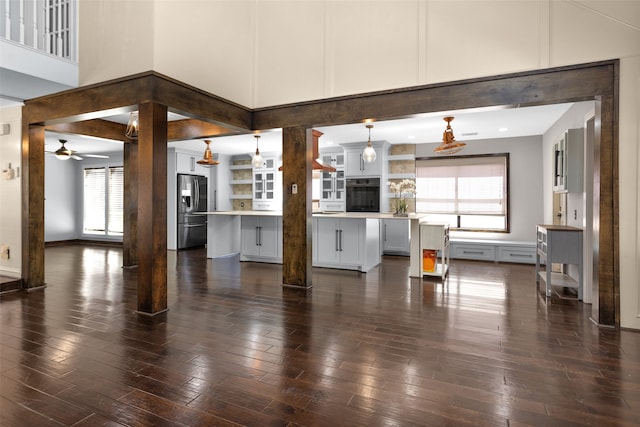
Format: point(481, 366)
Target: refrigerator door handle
point(193, 225)
point(196, 194)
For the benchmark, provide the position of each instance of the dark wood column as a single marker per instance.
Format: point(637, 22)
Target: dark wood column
point(32, 205)
point(296, 208)
point(130, 236)
point(152, 209)
point(606, 302)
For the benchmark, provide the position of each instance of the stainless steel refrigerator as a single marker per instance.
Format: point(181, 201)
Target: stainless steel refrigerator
point(192, 198)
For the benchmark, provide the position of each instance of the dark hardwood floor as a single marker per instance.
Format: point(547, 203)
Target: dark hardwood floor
point(375, 349)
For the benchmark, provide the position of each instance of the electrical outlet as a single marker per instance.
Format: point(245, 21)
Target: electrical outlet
point(575, 214)
point(4, 251)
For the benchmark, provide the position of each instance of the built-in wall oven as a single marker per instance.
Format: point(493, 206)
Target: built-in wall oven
point(363, 194)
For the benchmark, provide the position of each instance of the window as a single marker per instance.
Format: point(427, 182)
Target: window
point(468, 192)
point(103, 201)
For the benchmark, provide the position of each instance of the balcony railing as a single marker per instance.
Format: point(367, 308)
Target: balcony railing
point(46, 25)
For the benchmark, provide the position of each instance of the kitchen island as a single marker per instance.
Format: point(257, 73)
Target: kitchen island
point(340, 240)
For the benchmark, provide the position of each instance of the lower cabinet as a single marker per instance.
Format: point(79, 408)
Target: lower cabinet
point(261, 239)
point(477, 251)
point(494, 250)
point(434, 238)
point(346, 243)
point(395, 237)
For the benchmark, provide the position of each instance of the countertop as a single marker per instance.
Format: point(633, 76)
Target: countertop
point(554, 227)
point(371, 215)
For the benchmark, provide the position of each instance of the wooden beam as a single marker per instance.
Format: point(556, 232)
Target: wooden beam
point(97, 128)
point(296, 213)
point(177, 130)
point(32, 205)
point(130, 214)
point(549, 86)
point(193, 129)
point(124, 94)
point(152, 209)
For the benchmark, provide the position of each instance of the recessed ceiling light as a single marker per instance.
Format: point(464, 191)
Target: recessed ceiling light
point(503, 129)
point(411, 137)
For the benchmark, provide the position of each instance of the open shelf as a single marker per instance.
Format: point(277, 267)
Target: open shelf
point(238, 167)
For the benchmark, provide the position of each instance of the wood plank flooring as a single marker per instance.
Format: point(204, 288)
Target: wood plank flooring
point(377, 349)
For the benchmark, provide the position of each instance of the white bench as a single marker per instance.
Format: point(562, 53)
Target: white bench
point(494, 250)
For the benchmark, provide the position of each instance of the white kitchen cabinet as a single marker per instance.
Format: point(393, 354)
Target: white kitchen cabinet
point(187, 163)
point(267, 190)
point(346, 243)
point(568, 162)
point(356, 166)
point(436, 237)
point(332, 184)
point(261, 239)
point(477, 250)
point(395, 237)
point(559, 244)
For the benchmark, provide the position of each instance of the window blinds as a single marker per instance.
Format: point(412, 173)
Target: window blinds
point(475, 185)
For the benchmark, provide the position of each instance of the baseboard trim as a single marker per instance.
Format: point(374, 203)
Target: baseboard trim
point(83, 242)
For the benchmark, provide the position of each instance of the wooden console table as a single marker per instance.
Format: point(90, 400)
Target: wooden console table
point(560, 244)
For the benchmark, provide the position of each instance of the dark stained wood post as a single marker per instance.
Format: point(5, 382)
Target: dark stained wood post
point(605, 302)
point(296, 208)
point(130, 235)
point(152, 209)
point(32, 205)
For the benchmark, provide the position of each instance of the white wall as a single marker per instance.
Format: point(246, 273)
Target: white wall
point(61, 198)
point(525, 184)
point(11, 192)
point(629, 160)
point(116, 38)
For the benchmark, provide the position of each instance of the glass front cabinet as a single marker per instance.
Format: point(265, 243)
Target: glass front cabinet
point(332, 197)
point(267, 191)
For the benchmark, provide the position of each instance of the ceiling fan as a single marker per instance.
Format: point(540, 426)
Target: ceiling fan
point(64, 153)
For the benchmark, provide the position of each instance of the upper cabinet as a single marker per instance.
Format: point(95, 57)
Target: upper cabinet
point(269, 162)
point(267, 187)
point(187, 163)
point(332, 184)
point(568, 162)
point(355, 164)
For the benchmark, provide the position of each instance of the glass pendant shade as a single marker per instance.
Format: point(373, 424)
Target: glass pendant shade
point(207, 159)
point(369, 154)
point(63, 153)
point(132, 127)
point(256, 161)
point(449, 144)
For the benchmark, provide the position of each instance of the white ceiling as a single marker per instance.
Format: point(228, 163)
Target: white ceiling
point(486, 123)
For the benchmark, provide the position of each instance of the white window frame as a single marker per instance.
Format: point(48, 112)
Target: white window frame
point(113, 215)
point(446, 202)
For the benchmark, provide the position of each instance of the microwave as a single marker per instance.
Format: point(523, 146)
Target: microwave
point(363, 194)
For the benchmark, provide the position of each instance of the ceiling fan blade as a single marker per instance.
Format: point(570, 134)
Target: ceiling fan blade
point(98, 156)
point(76, 157)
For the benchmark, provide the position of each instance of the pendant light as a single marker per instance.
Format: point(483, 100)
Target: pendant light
point(207, 159)
point(256, 161)
point(369, 154)
point(449, 144)
point(63, 153)
point(132, 126)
